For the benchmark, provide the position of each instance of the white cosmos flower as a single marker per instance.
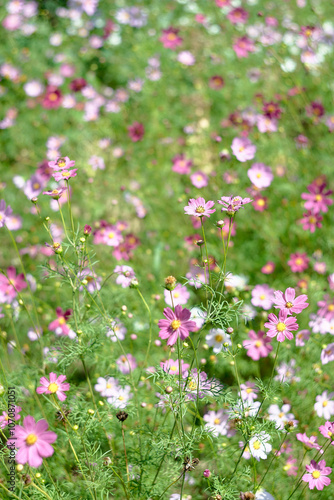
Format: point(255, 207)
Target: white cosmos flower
point(259, 446)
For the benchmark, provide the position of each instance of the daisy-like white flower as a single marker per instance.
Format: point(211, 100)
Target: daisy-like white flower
point(177, 324)
point(288, 302)
point(281, 415)
point(317, 475)
point(281, 326)
point(216, 338)
point(248, 392)
point(217, 423)
point(106, 387)
point(54, 386)
point(324, 405)
point(199, 207)
point(120, 397)
point(259, 446)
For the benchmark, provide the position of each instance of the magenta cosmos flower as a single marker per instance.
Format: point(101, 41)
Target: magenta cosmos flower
point(59, 325)
point(260, 175)
point(316, 477)
point(281, 326)
point(311, 221)
point(288, 302)
point(170, 38)
point(53, 98)
point(11, 284)
point(232, 204)
point(136, 131)
point(54, 386)
point(317, 199)
point(181, 164)
point(177, 324)
point(61, 163)
point(34, 441)
point(258, 345)
point(199, 207)
point(243, 46)
point(238, 16)
point(243, 149)
point(298, 262)
point(64, 175)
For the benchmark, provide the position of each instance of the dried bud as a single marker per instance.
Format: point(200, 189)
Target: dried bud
point(26, 478)
point(247, 495)
point(218, 497)
point(190, 465)
point(229, 330)
point(57, 247)
point(122, 416)
point(60, 415)
point(170, 283)
point(289, 426)
point(106, 461)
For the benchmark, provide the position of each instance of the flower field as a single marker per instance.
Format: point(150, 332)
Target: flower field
point(166, 264)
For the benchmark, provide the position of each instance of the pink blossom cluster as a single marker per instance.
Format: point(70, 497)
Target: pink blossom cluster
point(317, 201)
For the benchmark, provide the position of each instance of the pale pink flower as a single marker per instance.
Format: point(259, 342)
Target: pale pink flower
point(301, 337)
point(288, 302)
point(218, 423)
point(258, 345)
point(180, 296)
point(126, 363)
point(243, 149)
point(262, 296)
point(199, 207)
point(248, 392)
point(324, 405)
point(260, 175)
point(199, 179)
point(172, 367)
point(327, 354)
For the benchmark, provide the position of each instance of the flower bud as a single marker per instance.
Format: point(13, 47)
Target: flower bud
point(34, 200)
point(229, 330)
point(207, 473)
point(220, 223)
point(106, 461)
point(87, 230)
point(134, 283)
point(170, 283)
point(199, 243)
point(19, 467)
point(169, 389)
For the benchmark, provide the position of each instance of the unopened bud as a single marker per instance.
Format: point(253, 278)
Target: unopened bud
point(220, 223)
point(134, 283)
point(229, 330)
point(169, 389)
point(34, 200)
point(199, 243)
point(106, 461)
point(170, 283)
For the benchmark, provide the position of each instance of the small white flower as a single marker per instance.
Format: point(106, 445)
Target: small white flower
point(216, 338)
point(324, 406)
point(259, 446)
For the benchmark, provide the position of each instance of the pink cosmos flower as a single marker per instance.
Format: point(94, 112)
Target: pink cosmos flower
point(55, 193)
point(268, 268)
point(243, 149)
point(281, 326)
point(181, 164)
point(327, 430)
point(199, 207)
point(5, 213)
point(54, 386)
point(266, 124)
point(326, 308)
point(260, 175)
point(281, 415)
point(53, 98)
point(298, 262)
point(177, 324)
point(262, 296)
point(308, 442)
point(248, 392)
point(61, 163)
point(327, 354)
point(243, 46)
point(170, 38)
point(258, 345)
point(59, 325)
point(301, 337)
point(187, 58)
point(311, 221)
point(34, 442)
point(289, 468)
point(125, 275)
point(112, 237)
point(10, 285)
point(317, 475)
point(199, 179)
point(288, 303)
point(6, 419)
point(232, 204)
point(238, 16)
point(317, 200)
point(260, 203)
point(172, 367)
point(320, 267)
point(126, 364)
point(324, 405)
point(136, 131)
point(218, 423)
point(216, 82)
point(180, 296)
point(64, 175)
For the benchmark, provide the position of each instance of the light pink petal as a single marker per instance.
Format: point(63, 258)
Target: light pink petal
point(22, 455)
point(48, 436)
point(41, 426)
point(290, 294)
point(34, 460)
point(44, 381)
point(29, 423)
point(61, 396)
point(41, 390)
point(44, 449)
point(173, 338)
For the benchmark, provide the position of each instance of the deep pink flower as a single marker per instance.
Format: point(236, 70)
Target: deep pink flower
point(54, 386)
point(10, 285)
point(327, 430)
point(268, 268)
point(317, 475)
point(78, 84)
point(136, 131)
point(6, 419)
point(181, 164)
point(216, 82)
point(281, 326)
point(308, 442)
point(232, 204)
point(311, 221)
point(53, 98)
point(289, 468)
point(177, 324)
point(298, 262)
point(288, 303)
point(243, 46)
point(238, 16)
point(243, 149)
point(317, 200)
point(34, 441)
point(260, 203)
point(170, 38)
point(59, 325)
point(199, 179)
point(172, 367)
point(64, 175)
point(5, 212)
point(199, 207)
point(260, 175)
point(61, 163)
point(258, 345)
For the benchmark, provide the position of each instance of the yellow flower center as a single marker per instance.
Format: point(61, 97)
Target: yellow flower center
point(61, 164)
point(108, 386)
point(316, 474)
point(281, 415)
point(261, 203)
point(192, 385)
point(200, 210)
point(299, 261)
point(111, 235)
point(1, 217)
point(325, 403)
point(176, 295)
point(199, 177)
point(262, 297)
point(288, 305)
point(318, 197)
point(175, 324)
point(53, 97)
point(173, 368)
point(258, 343)
point(241, 149)
point(121, 398)
point(256, 445)
point(218, 338)
point(31, 439)
point(249, 390)
point(330, 434)
point(61, 321)
point(330, 307)
point(53, 388)
point(216, 421)
point(55, 191)
point(258, 175)
point(171, 36)
point(281, 327)
point(36, 185)
point(65, 173)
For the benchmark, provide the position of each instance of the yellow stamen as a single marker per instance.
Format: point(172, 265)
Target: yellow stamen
point(281, 327)
point(53, 387)
point(31, 439)
point(175, 324)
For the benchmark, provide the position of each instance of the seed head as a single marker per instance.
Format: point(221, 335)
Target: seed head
point(122, 416)
point(170, 283)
